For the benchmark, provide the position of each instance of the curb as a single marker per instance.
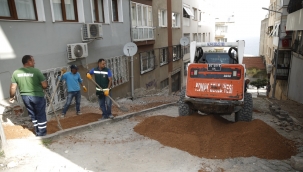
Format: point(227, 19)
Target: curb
point(96, 124)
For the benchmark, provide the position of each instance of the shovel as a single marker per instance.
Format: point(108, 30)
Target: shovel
point(124, 109)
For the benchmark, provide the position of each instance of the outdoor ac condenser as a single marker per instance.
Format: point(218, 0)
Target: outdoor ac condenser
point(77, 50)
point(92, 31)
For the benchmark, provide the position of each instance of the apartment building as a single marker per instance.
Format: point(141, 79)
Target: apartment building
point(276, 48)
point(198, 24)
point(224, 27)
point(295, 28)
point(156, 30)
point(44, 28)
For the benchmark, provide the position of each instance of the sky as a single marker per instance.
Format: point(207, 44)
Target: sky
point(248, 16)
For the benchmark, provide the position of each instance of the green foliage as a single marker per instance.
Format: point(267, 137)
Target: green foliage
point(256, 73)
point(2, 154)
point(46, 142)
point(259, 83)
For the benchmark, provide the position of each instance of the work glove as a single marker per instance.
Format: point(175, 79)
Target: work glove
point(88, 76)
point(84, 89)
point(63, 70)
point(106, 91)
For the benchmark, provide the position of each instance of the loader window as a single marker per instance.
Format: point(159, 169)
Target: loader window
point(217, 58)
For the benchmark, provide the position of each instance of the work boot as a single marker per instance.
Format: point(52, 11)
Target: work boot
point(111, 116)
point(103, 118)
point(79, 113)
point(62, 115)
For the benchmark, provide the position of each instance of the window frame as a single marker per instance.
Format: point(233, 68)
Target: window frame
point(160, 16)
point(178, 54)
point(150, 54)
point(195, 14)
point(14, 14)
point(97, 20)
point(117, 12)
point(161, 52)
point(178, 21)
point(63, 10)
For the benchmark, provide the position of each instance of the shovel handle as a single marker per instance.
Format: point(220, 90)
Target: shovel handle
point(102, 90)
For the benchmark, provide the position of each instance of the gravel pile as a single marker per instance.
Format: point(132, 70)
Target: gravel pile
point(216, 138)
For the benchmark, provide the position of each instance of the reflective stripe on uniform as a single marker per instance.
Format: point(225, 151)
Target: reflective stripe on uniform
point(101, 72)
point(98, 89)
point(42, 123)
point(34, 121)
point(42, 127)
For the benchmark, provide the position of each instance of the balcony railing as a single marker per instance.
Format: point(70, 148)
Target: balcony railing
point(294, 5)
point(143, 33)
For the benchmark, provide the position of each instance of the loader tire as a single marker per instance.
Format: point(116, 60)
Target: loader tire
point(183, 108)
point(245, 114)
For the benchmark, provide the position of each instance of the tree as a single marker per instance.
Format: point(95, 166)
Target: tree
point(259, 83)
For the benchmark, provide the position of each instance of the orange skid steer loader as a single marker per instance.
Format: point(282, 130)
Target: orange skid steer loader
point(215, 82)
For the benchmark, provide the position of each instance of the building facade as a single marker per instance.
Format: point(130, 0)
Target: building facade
point(96, 28)
point(295, 29)
point(198, 25)
point(276, 48)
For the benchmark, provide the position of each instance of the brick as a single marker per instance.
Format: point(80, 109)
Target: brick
point(280, 117)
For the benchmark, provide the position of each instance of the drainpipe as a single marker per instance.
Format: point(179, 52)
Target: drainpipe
point(169, 42)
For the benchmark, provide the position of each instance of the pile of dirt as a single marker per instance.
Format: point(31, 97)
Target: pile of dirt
point(90, 114)
point(216, 138)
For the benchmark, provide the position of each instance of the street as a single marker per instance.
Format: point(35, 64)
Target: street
point(114, 146)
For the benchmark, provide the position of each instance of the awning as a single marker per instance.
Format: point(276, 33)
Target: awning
point(188, 11)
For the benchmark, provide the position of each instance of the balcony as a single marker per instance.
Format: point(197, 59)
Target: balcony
point(143, 33)
point(283, 65)
point(294, 5)
point(220, 34)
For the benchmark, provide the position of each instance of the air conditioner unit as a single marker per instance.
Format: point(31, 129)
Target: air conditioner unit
point(78, 50)
point(92, 31)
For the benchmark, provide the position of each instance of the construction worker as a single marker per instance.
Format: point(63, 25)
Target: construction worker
point(31, 83)
point(73, 79)
point(247, 81)
point(103, 77)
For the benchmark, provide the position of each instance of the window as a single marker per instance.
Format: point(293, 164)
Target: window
point(175, 20)
point(141, 15)
point(162, 18)
point(119, 67)
point(195, 14)
point(18, 9)
point(142, 22)
point(147, 60)
point(98, 8)
point(117, 13)
point(176, 52)
point(52, 78)
point(163, 56)
point(194, 37)
point(164, 83)
point(199, 37)
point(115, 10)
point(65, 10)
point(200, 15)
point(187, 12)
point(203, 39)
point(186, 48)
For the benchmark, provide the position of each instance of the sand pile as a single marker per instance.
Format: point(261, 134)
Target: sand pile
point(216, 138)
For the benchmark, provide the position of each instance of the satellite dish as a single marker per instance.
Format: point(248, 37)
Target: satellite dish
point(184, 41)
point(130, 49)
